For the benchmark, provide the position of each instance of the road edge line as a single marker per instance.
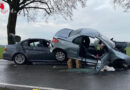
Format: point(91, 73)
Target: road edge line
point(29, 86)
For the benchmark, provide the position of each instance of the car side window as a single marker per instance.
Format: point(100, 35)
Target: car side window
point(25, 44)
point(77, 40)
point(34, 43)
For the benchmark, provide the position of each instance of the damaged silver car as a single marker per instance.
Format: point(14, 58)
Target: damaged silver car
point(83, 44)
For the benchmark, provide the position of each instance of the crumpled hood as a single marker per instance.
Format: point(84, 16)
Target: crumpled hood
point(121, 55)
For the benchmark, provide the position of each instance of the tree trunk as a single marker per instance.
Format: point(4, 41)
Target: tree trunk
point(11, 26)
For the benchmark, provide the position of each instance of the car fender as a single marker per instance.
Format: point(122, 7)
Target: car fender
point(19, 53)
point(116, 55)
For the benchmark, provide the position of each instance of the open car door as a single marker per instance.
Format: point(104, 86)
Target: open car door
point(102, 62)
point(99, 63)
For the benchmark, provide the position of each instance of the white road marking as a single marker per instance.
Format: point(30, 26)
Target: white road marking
point(28, 86)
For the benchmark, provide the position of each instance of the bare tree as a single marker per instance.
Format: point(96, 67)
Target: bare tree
point(124, 3)
point(30, 8)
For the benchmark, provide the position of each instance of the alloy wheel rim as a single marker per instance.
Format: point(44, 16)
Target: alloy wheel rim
point(20, 59)
point(60, 56)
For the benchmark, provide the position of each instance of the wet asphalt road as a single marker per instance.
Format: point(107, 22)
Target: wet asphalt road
point(57, 76)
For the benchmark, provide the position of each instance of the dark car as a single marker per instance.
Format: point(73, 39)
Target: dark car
point(28, 51)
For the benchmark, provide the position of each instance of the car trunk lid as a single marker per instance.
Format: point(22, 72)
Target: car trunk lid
point(10, 48)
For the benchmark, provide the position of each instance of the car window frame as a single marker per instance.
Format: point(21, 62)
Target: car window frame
point(24, 42)
point(41, 40)
point(78, 37)
point(45, 42)
point(32, 41)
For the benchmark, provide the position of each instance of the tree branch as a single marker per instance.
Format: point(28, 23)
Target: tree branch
point(36, 1)
point(38, 8)
point(22, 5)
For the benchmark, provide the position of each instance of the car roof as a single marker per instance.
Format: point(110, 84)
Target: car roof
point(63, 33)
point(34, 39)
point(66, 32)
point(37, 39)
point(89, 32)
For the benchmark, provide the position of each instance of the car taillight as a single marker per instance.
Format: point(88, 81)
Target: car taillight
point(55, 40)
point(5, 49)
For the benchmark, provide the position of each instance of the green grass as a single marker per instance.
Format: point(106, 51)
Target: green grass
point(128, 51)
point(1, 52)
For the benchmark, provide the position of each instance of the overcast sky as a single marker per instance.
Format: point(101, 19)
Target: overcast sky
point(99, 14)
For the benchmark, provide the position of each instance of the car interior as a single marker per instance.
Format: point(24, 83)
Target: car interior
point(35, 43)
point(89, 47)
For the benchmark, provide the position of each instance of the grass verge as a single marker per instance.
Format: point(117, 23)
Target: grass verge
point(1, 52)
point(128, 51)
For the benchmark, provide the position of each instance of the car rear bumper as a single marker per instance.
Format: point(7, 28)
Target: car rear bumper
point(7, 56)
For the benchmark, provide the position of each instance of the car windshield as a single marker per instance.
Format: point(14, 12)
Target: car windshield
point(108, 41)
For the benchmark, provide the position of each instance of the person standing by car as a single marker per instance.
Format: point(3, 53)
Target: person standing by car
point(71, 64)
point(84, 49)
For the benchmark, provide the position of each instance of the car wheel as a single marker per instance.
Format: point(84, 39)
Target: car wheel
point(120, 65)
point(60, 55)
point(19, 59)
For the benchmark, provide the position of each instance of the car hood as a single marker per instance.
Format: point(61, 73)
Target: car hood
point(121, 55)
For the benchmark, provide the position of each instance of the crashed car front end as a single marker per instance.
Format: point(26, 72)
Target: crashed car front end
point(118, 55)
point(66, 44)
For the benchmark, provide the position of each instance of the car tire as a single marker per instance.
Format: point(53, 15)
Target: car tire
point(19, 59)
point(120, 65)
point(60, 55)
